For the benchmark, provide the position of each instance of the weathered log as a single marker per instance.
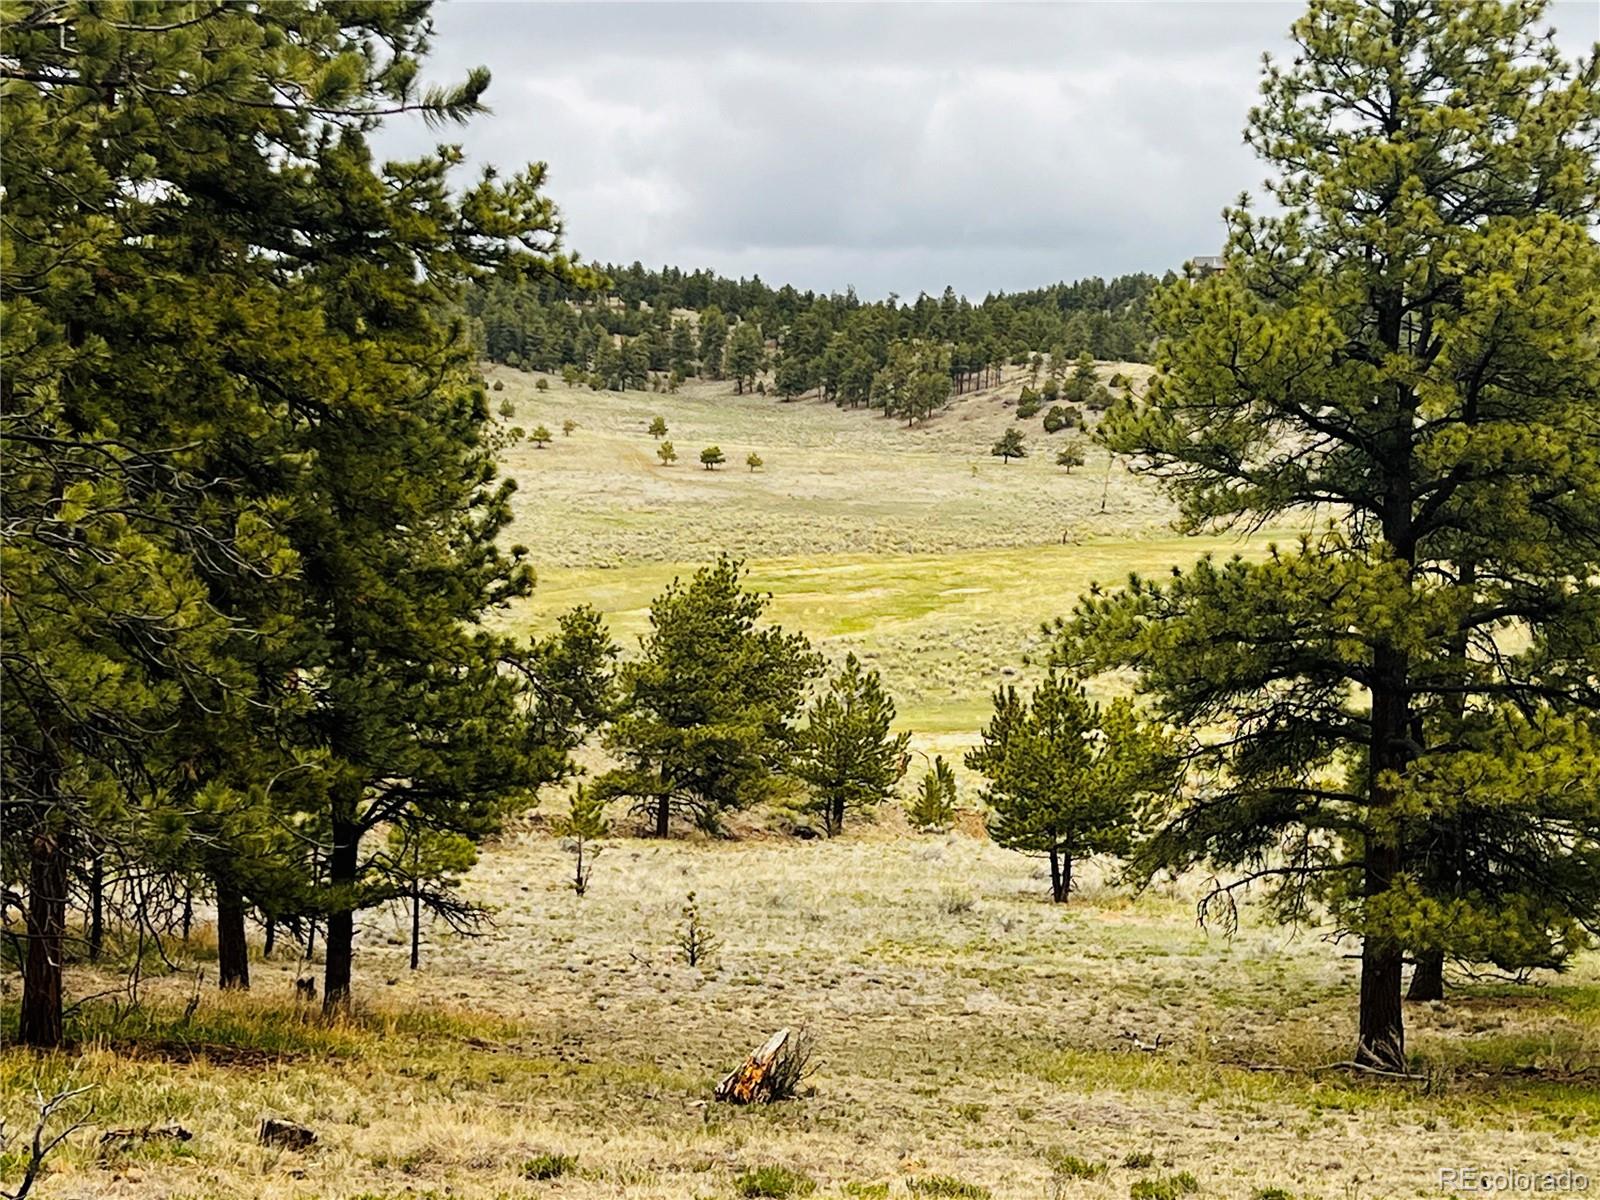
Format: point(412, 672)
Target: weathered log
point(113, 1140)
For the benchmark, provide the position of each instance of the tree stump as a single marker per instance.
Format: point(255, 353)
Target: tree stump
point(275, 1131)
point(771, 1073)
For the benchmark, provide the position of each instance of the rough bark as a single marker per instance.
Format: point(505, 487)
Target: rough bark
point(1427, 980)
point(416, 921)
point(97, 906)
point(339, 940)
point(1381, 1041)
point(46, 923)
point(233, 950)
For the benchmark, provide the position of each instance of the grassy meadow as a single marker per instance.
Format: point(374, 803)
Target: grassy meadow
point(932, 560)
point(975, 1040)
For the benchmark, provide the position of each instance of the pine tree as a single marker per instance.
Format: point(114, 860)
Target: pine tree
point(712, 457)
point(681, 354)
point(658, 428)
point(1070, 456)
point(1085, 382)
point(585, 821)
point(1409, 346)
point(746, 352)
point(846, 755)
point(713, 340)
point(705, 711)
point(1009, 446)
point(1066, 776)
point(794, 376)
point(237, 331)
point(934, 805)
point(666, 454)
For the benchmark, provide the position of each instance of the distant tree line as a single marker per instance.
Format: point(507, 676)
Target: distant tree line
point(644, 328)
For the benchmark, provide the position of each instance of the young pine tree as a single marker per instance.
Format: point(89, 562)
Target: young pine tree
point(933, 806)
point(705, 711)
point(584, 822)
point(1009, 446)
point(847, 755)
point(1066, 776)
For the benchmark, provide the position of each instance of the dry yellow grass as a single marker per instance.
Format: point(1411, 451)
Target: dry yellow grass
point(968, 1028)
point(970, 1031)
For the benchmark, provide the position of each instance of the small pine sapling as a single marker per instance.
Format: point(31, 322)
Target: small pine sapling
point(695, 940)
point(585, 822)
point(933, 807)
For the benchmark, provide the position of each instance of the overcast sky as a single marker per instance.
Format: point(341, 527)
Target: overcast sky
point(889, 147)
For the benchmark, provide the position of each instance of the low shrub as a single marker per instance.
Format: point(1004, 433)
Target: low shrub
point(777, 1181)
point(1165, 1187)
point(548, 1166)
point(947, 1185)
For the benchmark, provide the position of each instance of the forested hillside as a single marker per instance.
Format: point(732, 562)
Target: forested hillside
point(638, 328)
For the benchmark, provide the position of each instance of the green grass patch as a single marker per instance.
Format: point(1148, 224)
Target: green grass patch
point(548, 1166)
point(947, 1186)
point(1165, 1187)
point(774, 1181)
point(1071, 1166)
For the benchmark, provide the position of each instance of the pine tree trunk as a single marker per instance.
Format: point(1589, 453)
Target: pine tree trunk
point(416, 917)
point(233, 951)
point(1381, 1042)
point(270, 939)
point(1442, 872)
point(97, 906)
point(339, 941)
point(188, 912)
point(46, 924)
point(835, 815)
point(1066, 878)
point(1055, 875)
point(1427, 980)
point(663, 812)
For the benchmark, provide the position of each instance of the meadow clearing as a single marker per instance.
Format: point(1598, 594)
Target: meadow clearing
point(913, 547)
point(975, 1040)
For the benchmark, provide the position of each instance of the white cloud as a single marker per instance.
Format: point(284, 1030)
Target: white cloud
point(892, 147)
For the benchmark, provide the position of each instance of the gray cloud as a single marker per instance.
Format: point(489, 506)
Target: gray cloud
point(889, 147)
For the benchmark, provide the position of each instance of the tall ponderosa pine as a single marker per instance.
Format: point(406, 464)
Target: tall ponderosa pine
point(251, 505)
point(847, 755)
point(705, 712)
point(1408, 351)
point(1065, 776)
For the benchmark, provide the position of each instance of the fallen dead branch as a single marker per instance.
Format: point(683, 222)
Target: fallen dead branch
point(39, 1148)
